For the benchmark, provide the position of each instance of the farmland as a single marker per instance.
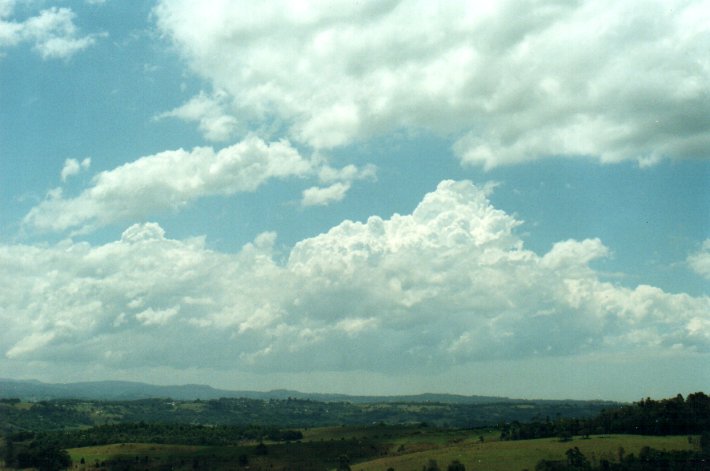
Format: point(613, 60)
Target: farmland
point(311, 435)
point(375, 448)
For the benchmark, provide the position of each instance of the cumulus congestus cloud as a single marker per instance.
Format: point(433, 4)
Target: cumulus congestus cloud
point(508, 81)
point(447, 284)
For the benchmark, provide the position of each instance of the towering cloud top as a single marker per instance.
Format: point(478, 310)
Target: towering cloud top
point(445, 285)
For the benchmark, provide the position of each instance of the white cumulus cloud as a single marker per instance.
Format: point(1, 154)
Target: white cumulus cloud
point(321, 196)
point(167, 180)
point(209, 112)
point(160, 317)
point(700, 261)
point(73, 167)
point(448, 284)
point(172, 179)
point(509, 81)
point(52, 32)
point(339, 182)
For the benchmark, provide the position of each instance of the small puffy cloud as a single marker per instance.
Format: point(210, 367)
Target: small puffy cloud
point(143, 232)
point(602, 79)
point(73, 167)
point(700, 261)
point(340, 182)
point(161, 317)
point(348, 173)
point(567, 253)
point(448, 284)
point(166, 181)
point(52, 32)
point(6, 8)
point(317, 196)
point(209, 112)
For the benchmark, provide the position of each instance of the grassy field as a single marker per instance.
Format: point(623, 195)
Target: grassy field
point(523, 454)
point(373, 448)
point(316, 454)
point(130, 451)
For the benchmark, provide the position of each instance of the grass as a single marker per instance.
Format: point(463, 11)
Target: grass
point(523, 454)
point(297, 455)
point(129, 451)
point(379, 447)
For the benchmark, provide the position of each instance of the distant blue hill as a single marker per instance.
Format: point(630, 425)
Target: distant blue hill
point(34, 390)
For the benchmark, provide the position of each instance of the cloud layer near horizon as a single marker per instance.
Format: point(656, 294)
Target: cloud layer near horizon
point(509, 81)
point(448, 284)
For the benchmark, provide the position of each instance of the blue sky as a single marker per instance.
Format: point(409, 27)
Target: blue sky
point(358, 197)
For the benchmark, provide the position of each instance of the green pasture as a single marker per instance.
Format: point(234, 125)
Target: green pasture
point(379, 447)
point(315, 455)
point(398, 434)
point(23, 405)
point(129, 451)
point(519, 455)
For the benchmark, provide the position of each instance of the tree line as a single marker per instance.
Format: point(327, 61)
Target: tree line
point(648, 459)
point(674, 416)
point(296, 413)
point(178, 434)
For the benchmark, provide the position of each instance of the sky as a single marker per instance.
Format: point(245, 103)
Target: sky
point(367, 197)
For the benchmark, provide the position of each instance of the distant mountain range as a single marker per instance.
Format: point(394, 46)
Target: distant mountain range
point(127, 390)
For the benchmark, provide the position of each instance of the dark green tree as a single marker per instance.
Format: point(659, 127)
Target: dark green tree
point(9, 455)
point(576, 460)
point(456, 465)
point(343, 463)
point(44, 458)
point(432, 465)
point(705, 443)
point(261, 449)
point(550, 465)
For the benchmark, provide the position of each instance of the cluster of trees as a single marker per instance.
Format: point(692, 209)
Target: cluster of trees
point(649, 459)
point(455, 465)
point(60, 414)
point(43, 415)
point(180, 434)
point(675, 416)
point(431, 465)
point(41, 456)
